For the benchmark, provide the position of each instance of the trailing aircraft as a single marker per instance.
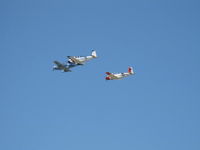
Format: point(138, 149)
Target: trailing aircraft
point(80, 60)
point(63, 67)
point(115, 76)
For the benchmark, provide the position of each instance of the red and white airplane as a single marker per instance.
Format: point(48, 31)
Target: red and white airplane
point(115, 76)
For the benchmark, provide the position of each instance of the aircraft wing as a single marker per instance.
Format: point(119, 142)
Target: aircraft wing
point(66, 70)
point(71, 65)
point(73, 59)
point(108, 73)
point(58, 64)
point(111, 75)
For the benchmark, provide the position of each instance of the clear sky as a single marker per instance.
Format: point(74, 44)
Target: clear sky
point(156, 109)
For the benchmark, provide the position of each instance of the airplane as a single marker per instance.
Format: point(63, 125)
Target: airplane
point(80, 60)
point(111, 76)
point(63, 67)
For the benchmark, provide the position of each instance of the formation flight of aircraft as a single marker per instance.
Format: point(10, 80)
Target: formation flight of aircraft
point(74, 61)
point(113, 76)
point(80, 60)
point(63, 67)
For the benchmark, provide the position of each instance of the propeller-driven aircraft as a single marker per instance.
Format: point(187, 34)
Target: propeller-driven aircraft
point(74, 61)
point(63, 67)
point(115, 76)
point(80, 60)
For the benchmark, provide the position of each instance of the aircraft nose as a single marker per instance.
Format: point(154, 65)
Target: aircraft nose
point(107, 78)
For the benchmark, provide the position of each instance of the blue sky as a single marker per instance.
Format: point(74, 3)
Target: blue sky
point(157, 108)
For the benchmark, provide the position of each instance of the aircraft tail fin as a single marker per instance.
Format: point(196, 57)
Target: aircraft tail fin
point(130, 70)
point(94, 54)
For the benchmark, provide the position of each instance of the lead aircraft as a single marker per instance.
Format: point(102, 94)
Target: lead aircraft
point(115, 76)
point(80, 60)
point(63, 67)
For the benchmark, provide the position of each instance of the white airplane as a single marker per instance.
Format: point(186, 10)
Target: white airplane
point(63, 67)
point(80, 60)
point(111, 76)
